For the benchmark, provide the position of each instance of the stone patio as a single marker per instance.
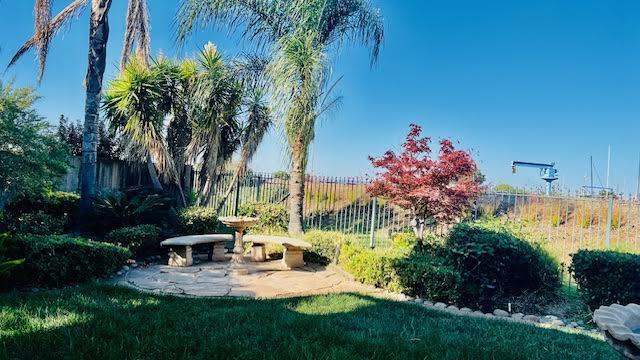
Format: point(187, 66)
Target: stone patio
point(265, 280)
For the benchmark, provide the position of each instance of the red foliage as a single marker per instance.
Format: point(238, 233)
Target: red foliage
point(440, 189)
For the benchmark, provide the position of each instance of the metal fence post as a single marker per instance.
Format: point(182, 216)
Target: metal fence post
point(237, 202)
point(607, 240)
point(372, 236)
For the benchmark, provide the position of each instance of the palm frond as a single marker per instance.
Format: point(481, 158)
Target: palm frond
point(42, 15)
point(137, 30)
point(43, 34)
point(263, 20)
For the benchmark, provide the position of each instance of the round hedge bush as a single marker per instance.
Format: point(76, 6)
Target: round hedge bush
point(197, 220)
point(495, 265)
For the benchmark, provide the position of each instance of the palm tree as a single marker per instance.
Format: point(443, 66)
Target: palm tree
point(201, 111)
point(46, 27)
point(299, 34)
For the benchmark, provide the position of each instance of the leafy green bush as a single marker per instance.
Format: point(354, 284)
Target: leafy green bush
point(197, 220)
point(426, 274)
point(56, 260)
point(272, 218)
point(140, 239)
point(371, 266)
point(45, 214)
point(404, 240)
point(420, 272)
point(6, 265)
point(607, 277)
point(496, 264)
point(324, 245)
point(54, 203)
point(39, 223)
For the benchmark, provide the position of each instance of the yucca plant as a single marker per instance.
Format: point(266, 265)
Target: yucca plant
point(200, 111)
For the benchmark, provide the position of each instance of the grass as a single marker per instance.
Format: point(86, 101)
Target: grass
point(106, 322)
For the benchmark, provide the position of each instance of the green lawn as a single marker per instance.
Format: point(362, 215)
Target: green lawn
point(104, 322)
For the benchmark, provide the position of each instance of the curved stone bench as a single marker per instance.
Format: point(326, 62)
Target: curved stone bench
point(293, 249)
point(180, 252)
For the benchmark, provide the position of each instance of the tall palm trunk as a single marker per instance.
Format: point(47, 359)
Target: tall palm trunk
point(155, 180)
point(98, 36)
point(296, 188)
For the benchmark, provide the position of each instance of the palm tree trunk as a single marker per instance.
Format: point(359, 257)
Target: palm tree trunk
point(296, 189)
point(155, 180)
point(98, 37)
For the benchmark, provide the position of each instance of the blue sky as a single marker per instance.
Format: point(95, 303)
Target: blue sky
point(543, 80)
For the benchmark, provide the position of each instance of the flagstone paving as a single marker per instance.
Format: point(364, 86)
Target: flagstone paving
point(265, 280)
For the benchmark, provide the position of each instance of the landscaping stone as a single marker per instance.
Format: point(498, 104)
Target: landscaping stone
point(548, 319)
point(452, 308)
point(440, 305)
point(478, 313)
point(572, 324)
point(427, 303)
point(500, 313)
point(465, 309)
point(517, 316)
point(557, 322)
point(531, 318)
point(125, 268)
point(418, 300)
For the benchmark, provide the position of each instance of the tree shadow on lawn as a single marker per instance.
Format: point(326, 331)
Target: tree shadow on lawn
point(107, 322)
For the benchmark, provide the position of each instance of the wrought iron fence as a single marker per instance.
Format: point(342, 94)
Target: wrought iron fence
point(567, 223)
point(562, 223)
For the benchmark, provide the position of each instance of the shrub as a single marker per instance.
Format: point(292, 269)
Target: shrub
point(140, 239)
point(197, 220)
point(56, 260)
point(52, 202)
point(426, 274)
point(496, 264)
point(371, 266)
point(607, 277)
point(404, 240)
point(39, 223)
point(271, 217)
point(325, 244)
point(47, 213)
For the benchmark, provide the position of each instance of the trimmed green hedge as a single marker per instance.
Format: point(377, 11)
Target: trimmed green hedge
point(607, 277)
point(325, 245)
point(45, 214)
point(196, 220)
point(272, 218)
point(429, 276)
point(371, 266)
point(140, 239)
point(496, 265)
point(57, 260)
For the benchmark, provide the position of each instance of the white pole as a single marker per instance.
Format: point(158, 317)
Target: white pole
point(638, 181)
point(608, 165)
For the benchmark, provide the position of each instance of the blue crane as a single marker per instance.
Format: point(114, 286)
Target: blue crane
point(548, 172)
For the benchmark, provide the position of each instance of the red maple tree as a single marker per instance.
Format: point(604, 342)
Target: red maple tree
point(438, 190)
